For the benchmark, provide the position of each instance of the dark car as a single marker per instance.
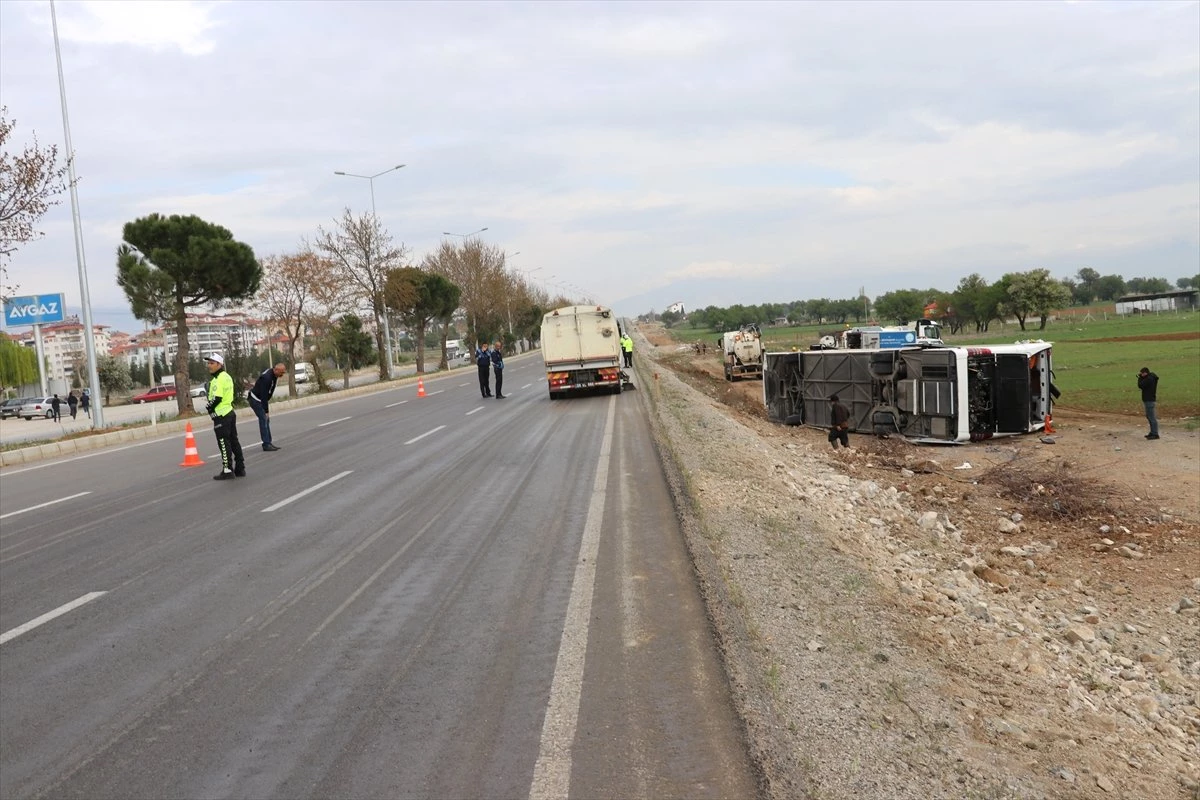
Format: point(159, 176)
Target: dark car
point(156, 393)
point(12, 406)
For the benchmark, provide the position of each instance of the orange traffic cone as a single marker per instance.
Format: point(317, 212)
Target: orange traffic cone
point(420, 387)
point(1049, 428)
point(191, 456)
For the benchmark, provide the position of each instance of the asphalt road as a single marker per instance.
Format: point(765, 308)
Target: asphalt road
point(437, 596)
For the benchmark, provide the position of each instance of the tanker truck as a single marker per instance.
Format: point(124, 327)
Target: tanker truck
point(743, 353)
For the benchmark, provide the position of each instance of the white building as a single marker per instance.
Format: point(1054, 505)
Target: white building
point(209, 332)
point(1175, 300)
point(675, 308)
point(65, 350)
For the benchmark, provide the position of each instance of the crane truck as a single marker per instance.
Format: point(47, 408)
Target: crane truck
point(743, 353)
point(581, 347)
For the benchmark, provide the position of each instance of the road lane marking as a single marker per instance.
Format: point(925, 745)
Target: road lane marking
point(390, 405)
point(526, 386)
point(307, 491)
point(49, 615)
point(332, 421)
point(463, 384)
point(552, 772)
point(426, 433)
point(42, 505)
point(431, 394)
point(469, 413)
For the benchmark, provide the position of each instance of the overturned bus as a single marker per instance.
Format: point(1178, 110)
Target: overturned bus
point(941, 395)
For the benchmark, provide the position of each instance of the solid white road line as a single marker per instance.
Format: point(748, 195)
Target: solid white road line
point(309, 490)
point(426, 433)
point(469, 413)
point(43, 505)
point(332, 421)
point(552, 772)
point(391, 405)
point(44, 618)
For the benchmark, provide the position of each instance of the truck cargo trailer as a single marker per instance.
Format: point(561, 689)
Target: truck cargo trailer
point(581, 347)
point(924, 394)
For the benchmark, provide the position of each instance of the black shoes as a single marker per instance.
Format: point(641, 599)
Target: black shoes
point(269, 448)
point(1151, 435)
point(225, 476)
point(501, 396)
point(240, 473)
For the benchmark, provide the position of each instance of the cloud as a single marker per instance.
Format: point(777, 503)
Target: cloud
point(648, 152)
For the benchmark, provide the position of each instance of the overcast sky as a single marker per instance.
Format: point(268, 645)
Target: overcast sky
point(647, 153)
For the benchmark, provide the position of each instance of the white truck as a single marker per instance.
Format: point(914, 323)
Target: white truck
point(924, 332)
point(941, 395)
point(581, 347)
point(743, 353)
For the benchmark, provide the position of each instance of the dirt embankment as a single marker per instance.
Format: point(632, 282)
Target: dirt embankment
point(1008, 619)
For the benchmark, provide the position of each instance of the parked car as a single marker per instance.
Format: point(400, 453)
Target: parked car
point(198, 391)
point(11, 407)
point(163, 392)
point(302, 371)
point(40, 407)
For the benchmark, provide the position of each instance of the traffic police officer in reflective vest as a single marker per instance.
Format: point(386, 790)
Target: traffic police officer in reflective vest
point(220, 409)
point(627, 349)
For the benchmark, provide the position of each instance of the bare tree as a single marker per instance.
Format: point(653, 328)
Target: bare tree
point(29, 184)
point(478, 270)
point(362, 254)
point(291, 292)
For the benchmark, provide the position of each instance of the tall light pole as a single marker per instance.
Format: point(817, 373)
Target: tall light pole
point(85, 299)
point(387, 330)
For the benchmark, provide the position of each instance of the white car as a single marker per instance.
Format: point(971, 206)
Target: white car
point(198, 391)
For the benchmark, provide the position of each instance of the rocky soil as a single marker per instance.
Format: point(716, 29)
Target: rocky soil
point(1005, 620)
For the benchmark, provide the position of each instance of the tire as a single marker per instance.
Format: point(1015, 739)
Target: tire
point(553, 396)
point(728, 373)
point(616, 389)
point(49, 415)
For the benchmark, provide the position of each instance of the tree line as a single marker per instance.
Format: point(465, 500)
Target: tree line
point(1025, 296)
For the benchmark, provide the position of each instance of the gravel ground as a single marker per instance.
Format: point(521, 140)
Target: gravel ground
point(883, 644)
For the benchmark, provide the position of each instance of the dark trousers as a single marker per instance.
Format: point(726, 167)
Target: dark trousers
point(1151, 416)
point(227, 440)
point(72, 407)
point(628, 358)
point(484, 387)
point(499, 382)
point(57, 415)
point(264, 422)
point(839, 435)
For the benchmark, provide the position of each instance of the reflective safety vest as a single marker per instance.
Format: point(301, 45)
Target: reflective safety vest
point(627, 344)
point(220, 384)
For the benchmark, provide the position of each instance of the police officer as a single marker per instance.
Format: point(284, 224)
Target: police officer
point(220, 409)
point(259, 398)
point(627, 349)
point(483, 360)
point(498, 366)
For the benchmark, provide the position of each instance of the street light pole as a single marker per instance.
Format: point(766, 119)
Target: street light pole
point(387, 330)
point(85, 299)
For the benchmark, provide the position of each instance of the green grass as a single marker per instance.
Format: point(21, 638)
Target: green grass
point(1093, 376)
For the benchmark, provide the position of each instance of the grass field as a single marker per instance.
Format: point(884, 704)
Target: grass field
point(1095, 361)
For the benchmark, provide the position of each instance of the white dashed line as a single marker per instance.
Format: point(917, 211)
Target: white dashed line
point(332, 421)
point(307, 491)
point(44, 618)
point(469, 413)
point(427, 433)
point(391, 405)
point(42, 505)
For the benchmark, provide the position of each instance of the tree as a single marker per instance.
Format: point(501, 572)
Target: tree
point(902, 306)
point(180, 262)
point(290, 293)
point(353, 346)
point(445, 296)
point(1086, 288)
point(407, 291)
point(114, 376)
point(29, 185)
point(477, 268)
point(1110, 287)
point(18, 364)
point(1148, 285)
point(1188, 283)
point(362, 254)
point(1034, 292)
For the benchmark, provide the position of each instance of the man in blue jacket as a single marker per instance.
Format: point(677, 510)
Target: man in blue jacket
point(259, 399)
point(498, 366)
point(483, 360)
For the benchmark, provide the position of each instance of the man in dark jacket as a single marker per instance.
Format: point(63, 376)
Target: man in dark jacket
point(483, 360)
point(260, 398)
point(498, 366)
point(56, 407)
point(1148, 383)
point(840, 417)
